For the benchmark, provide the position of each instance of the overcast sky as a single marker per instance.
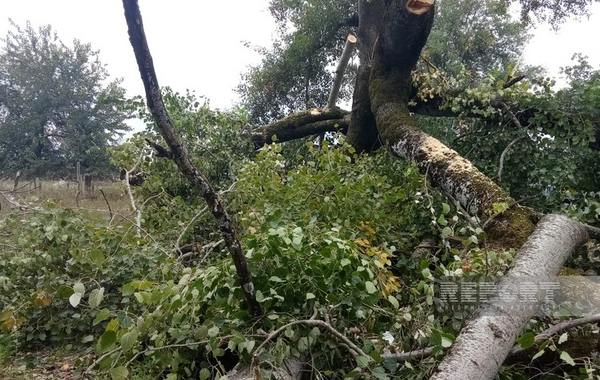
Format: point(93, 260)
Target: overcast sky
point(197, 44)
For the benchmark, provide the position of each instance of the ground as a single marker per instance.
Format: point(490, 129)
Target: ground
point(45, 364)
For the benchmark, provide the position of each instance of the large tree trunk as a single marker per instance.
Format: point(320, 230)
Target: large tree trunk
point(486, 340)
point(391, 50)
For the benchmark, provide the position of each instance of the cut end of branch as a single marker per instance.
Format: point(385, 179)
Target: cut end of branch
point(351, 38)
point(419, 7)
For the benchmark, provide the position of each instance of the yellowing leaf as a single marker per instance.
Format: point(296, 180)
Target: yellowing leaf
point(363, 242)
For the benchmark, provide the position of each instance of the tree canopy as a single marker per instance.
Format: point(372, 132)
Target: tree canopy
point(57, 106)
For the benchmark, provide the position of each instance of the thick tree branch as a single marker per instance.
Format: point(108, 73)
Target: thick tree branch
point(486, 340)
point(557, 328)
point(303, 124)
point(179, 151)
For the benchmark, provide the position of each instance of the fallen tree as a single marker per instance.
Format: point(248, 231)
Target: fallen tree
point(391, 35)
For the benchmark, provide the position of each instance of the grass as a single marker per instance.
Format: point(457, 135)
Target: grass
point(64, 194)
point(56, 362)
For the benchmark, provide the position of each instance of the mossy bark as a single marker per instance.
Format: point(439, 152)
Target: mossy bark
point(302, 124)
point(395, 53)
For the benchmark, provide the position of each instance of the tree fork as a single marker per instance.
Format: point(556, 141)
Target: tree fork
point(179, 152)
point(395, 52)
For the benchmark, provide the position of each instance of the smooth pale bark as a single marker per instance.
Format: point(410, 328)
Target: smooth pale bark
point(340, 69)
point(486, 340)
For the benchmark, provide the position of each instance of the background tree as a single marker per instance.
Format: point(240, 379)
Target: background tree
point(295, 73)
point(477, 36)
point(553, 11)
point(56, 106)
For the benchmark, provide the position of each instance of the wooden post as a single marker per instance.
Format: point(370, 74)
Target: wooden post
point(16, 183)
point(79, 176)
point(89, 187)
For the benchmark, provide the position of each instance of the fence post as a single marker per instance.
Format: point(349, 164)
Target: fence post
point(16, 183)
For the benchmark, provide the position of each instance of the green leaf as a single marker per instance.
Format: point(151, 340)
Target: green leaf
point(128, 290)
point(107, 341)
point(128, 340)
point(213, 331)
point(394, 301)
point(303, 344)
point(567, 358)
point(526, 340)
point(370, 287)
point(124, 320)
point(97, 257)
point(248, 345)
point(64, 292)
point(102, 315)
point(445, 208)
point(113, 325)
point(310, 296)
point(119, 373)
point(141, 285)
point(275, 279)
point(79, 288)
point(204, 374)
point(540, 353)
point(563, 338)
point(376, 356)
point(96, 297)
point(441, 339)
point(362, 361)
point(75, 299)
point(172, 376)
point(201, 332)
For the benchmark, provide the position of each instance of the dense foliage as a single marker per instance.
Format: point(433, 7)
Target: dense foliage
point(56, 106)
point(336, 241)
point(344, 242)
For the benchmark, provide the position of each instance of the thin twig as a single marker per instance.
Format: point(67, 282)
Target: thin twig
point(97, 361)
point(107, 203)
point(354, 349)
point(177, 243)
point(512, 115)
point(559, 327)
point(207, 248)
point(503, 155)
point(136, 210)
point(421, 353)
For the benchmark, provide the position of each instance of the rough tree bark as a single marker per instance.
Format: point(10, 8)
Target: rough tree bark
point(391, 35)
point(180, 154)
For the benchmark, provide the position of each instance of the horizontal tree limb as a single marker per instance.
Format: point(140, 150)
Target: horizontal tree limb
point(303, 124)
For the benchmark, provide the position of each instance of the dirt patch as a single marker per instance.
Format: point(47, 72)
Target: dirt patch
point(41, 365)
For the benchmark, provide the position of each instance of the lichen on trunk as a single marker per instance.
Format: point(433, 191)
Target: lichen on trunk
point(395, 53)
